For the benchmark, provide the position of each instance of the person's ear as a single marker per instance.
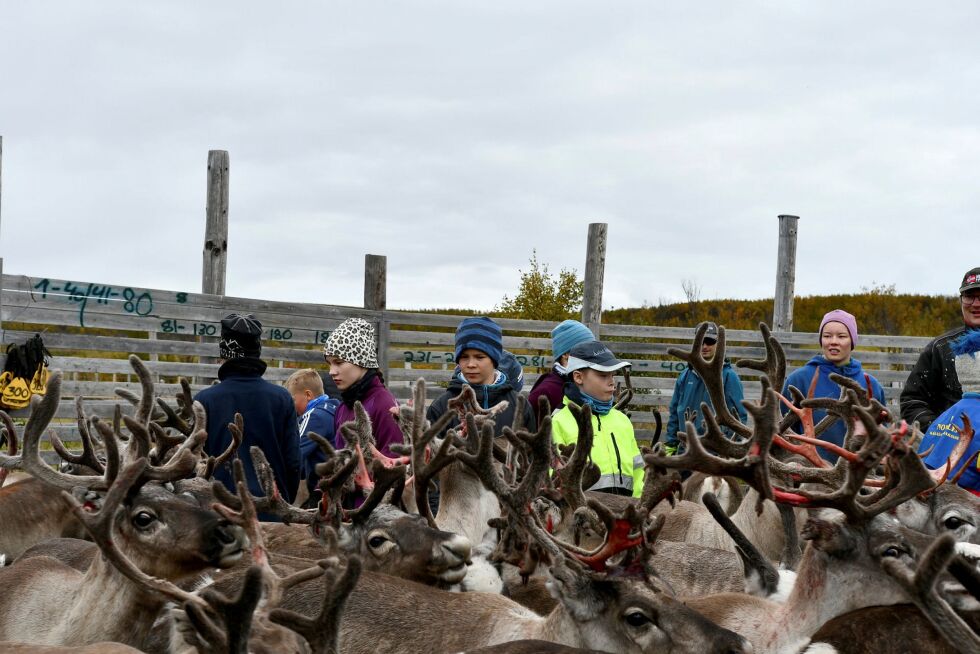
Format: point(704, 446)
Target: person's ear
point(578, 376)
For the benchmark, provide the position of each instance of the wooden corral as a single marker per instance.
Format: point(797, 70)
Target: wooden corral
point(90, 328)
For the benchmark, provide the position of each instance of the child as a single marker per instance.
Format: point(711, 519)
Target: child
point(353, 358)
point(316, 412)
point(944, 432)
point(479, 352)
point(838, 337)
point(590, 370)
point(564, 336)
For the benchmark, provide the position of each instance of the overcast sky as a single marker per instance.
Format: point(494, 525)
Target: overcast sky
point(454, 137)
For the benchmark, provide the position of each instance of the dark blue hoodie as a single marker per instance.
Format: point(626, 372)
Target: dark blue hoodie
point(270, 423)
point(801, 378)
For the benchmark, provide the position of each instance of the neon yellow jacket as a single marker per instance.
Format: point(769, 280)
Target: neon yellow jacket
point(614, 448)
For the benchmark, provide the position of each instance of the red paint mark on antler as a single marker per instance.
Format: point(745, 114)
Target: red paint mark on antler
point(617, 541)
point(387, 461)
point(361, 478)
point(830, 447)
point(809, 453)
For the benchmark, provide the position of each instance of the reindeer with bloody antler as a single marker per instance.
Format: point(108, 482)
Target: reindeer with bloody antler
point(841, 569)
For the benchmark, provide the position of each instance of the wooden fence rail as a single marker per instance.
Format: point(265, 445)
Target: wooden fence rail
point(91, 328)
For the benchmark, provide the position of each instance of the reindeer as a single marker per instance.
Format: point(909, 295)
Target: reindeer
point(841, 569)
point(609, 610)
point(143, 530)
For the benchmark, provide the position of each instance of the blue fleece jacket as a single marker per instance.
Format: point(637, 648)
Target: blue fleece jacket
point(270, 423)
point(318, 419)
point(801, 378)
point(690, 392)
point(943, 434)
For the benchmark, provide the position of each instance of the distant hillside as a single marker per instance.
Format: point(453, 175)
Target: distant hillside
point(876, 313)
point(880, 311)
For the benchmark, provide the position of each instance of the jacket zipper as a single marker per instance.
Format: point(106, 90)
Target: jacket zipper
point(619, 461)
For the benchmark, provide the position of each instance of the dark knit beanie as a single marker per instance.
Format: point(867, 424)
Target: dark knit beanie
point(482, 334)
point(241, 336)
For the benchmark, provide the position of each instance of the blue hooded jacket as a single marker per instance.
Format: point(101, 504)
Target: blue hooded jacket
point(318, 419)
point(690, 392)
point(943, 434)
point(801, 378)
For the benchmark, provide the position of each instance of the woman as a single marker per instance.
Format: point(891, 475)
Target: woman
point(838, 336)
point(353, 358)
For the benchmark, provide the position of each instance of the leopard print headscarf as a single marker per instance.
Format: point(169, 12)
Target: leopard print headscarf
point(353, 341)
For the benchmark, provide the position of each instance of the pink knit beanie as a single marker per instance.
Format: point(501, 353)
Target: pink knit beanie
point(844, 318)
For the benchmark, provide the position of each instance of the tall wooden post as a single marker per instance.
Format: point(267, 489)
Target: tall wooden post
point(376, 299)
point(595, 266)
point(782, 313)
point(216, 230)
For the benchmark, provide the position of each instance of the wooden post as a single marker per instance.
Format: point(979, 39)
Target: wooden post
point(216, 229)
point(2, 334)
point(782, 313)
point(595, 265)
point(376, 299)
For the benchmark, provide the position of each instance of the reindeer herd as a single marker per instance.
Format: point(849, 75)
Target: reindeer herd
point(130, 547)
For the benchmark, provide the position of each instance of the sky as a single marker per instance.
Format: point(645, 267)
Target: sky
point(458, 137)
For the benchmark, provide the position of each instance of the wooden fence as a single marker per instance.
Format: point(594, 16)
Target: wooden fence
point(91, 328)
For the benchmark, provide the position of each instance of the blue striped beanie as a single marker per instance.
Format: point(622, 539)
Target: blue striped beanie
point(567, 335)
point(482, 334)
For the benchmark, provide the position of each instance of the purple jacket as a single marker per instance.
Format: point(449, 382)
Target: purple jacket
point(552, 386)
point(376, 400)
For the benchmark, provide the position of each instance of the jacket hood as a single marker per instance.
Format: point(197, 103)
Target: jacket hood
point(850, 369)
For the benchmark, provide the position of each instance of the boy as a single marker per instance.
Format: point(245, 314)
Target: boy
point(591, 381)
point(316, 414)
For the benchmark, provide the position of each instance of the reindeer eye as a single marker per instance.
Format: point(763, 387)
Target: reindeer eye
point(143, 519)
point(952, 522)
point(377, 541)
point(892, 552)
point(637, 618)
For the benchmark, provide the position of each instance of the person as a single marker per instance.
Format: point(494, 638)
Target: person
point(944, 432)
point(316, 411)
point(614, 449)
point(932, 386)
point(690, 392)
point(266, 408)
point(479, 353)
point(551, 385)
point(352, 354)
point(838, 336)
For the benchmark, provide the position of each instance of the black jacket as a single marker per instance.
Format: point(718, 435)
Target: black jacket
point(932, 386)
point(486, 396)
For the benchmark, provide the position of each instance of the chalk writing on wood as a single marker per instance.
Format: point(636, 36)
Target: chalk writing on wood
point(126, 298)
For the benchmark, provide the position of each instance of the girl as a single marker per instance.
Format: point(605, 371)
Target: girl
point(353, 358)
point(838, 336)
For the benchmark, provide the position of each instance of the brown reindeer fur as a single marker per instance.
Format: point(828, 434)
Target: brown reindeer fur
point(31, 511)
point(95, 648)
point(887, 630)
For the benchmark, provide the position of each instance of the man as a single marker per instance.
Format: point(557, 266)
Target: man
point(267, 409)
point(932, 386)
point(690, 392)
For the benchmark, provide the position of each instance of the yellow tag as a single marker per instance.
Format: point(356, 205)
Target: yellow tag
point(5, 379)
point(39, 384)
point(16, 394)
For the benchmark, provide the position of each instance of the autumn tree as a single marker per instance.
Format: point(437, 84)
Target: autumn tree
point(544, 296)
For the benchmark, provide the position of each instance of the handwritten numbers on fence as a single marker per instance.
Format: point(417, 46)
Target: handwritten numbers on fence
point(130, 302)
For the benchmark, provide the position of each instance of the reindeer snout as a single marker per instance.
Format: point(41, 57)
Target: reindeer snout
point(229, 543)
point(454, 554)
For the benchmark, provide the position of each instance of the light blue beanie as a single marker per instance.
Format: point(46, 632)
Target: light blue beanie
point(567, 335)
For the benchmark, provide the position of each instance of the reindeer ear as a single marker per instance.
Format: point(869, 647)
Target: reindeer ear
point(829, 535)
point(580, 595)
